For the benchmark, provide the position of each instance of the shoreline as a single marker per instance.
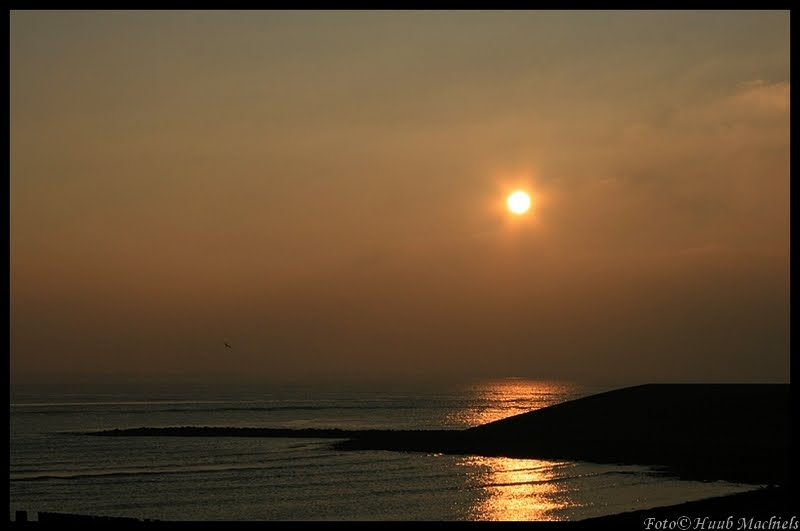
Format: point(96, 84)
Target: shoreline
point(759, 505)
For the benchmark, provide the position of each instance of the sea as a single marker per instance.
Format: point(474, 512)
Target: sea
point(55, 467)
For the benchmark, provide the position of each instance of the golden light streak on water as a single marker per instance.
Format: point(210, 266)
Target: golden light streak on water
point(498, 399)
point(516, 489)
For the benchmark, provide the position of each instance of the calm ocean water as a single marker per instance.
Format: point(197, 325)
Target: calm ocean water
point(173, 478)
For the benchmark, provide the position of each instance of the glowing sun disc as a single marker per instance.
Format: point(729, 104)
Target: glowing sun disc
point(518, 202)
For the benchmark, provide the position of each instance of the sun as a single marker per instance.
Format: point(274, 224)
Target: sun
point(518, 202)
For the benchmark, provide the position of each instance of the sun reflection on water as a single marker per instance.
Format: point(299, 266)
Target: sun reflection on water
point(497, 399)
point(516, 489)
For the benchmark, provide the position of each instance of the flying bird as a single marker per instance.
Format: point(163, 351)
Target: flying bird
point(227, 345)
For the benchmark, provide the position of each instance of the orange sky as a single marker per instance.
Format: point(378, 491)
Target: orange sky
point(324, 190)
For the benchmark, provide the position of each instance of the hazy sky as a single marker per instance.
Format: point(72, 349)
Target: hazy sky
point(325, 191)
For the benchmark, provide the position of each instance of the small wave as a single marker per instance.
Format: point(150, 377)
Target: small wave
point(67, 475)
point(277, 464)
point(560, 479)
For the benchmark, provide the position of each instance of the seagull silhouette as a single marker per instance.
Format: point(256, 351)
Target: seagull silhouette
point(227, 345)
